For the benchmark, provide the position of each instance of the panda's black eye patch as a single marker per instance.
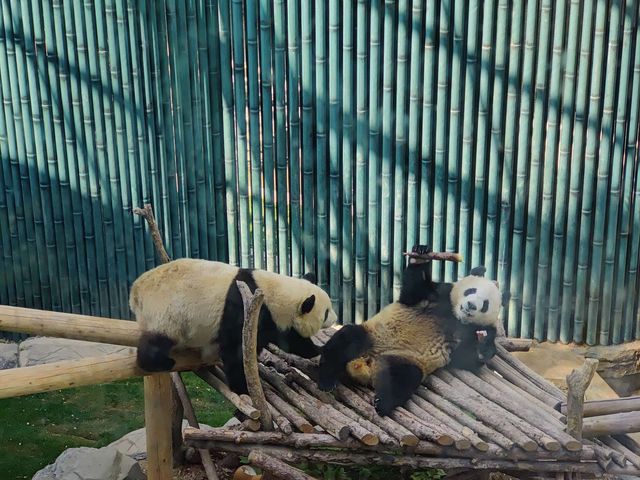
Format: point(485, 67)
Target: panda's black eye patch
point(326, 315)
point(485, 306)
point(470, 291)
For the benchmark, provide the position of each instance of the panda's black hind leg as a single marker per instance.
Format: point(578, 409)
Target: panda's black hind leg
point(348, 343)
point(395, 381)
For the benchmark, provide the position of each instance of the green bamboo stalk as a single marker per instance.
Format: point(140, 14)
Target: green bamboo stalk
point(362, 145)
point(293, 85)
point(455, 133)
point(524, 142)
point(219, 183)
point(267, 133)
point(621, 235)
point(575, 182)
point(83, 131)
point(7, 274)
point(441, 132)
point(335, 127)
point(562, 182)
point(57, 167)
point(205, 93)
point(496, 160)
point(468, 133)
point(53, 207)
point(308, 94)
point(153, 138)
point(400, 137)
point(20, 179)
point(228, 129)
point(609, 176)
point(36, 161)
point(132, 173)
point(281, 137)
point(190, 24)
point(347, 162)
point(413, 145)
point(241, 128)
point(587, 254)
point(532, 243)
point(168, 169)
point(254, 134)
point(386, 224)
point(631, 152)
point(428, 125)
point(321, 144)
point(375, 124)
point(510, 146)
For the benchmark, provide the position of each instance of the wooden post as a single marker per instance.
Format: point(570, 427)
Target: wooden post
point(252, 305)
point(578, 381)
point(277, 467)
point(157, 416)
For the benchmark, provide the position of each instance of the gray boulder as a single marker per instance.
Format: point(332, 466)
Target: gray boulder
point(39, 350)
point(8, 355)
point(87, 463)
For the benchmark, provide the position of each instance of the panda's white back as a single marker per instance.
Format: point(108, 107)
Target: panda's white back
point(183, 299)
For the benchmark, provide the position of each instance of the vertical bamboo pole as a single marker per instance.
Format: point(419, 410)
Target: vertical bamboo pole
point(321, 144)
point(532, 243)
point(228, 129)
point(586, 217)
point(496, 141)
point(575, 182)
point(561, 184)
point(428, 125)
point(157, 412)
point(441, 131)
point(609, 176)
point(281, 136)
point(631, 153)
point(617, 236)
point(362, 144)
point(240, 103)
point(335, 127)
point(453, 147)
point(267, 133)
point(468, 132)
point(373, 193)
point(348, 98)
point(387, 153)
point(308, 155)
point(524, 143)
point(400, 141)
point(254, 135)
point(293, 85)
point(509, 159)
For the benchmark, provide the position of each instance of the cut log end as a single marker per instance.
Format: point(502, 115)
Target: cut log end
point(481, 446)
point(370, 439)
point(343, 432)
point(529, 446)
point(409, 440)
point(463, 444)
point(552, 446)
point(444, 440)
point(573, 446)
point(254, 414)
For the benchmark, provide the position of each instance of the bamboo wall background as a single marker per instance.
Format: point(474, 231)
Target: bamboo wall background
point(328, 136)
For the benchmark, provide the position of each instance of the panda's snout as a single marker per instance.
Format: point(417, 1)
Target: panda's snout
point(471, 306)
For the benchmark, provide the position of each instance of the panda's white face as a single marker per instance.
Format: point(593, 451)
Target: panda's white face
point(476, 300)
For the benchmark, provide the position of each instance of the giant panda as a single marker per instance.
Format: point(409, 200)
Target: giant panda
point(191, 303)
point(406, 340)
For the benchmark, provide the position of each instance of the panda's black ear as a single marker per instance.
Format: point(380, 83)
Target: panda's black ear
point(308, 304)
point(310, 276)
point(478, 271)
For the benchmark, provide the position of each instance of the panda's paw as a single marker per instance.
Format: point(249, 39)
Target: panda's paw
point(421, 249)
point(383, 408)
point(327, 384)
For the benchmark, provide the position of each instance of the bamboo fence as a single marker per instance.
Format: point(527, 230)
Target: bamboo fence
point(327, 136)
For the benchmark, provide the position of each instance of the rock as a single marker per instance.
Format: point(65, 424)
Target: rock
point(617, 360)
point(8, 355)
point(87, 463)
point(39, 350)
point(134, 444)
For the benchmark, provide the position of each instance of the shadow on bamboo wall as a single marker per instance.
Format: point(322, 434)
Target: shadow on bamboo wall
point(327, 136)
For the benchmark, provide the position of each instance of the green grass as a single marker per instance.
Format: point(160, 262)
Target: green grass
point(35, 429)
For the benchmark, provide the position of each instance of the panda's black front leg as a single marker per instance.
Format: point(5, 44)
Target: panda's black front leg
point(396, 379)
point(348, 343)
point(295, 343)
point(417, 285)
point(487, 346)
point(234, 370)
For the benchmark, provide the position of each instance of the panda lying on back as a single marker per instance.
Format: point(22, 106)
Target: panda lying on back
point(430, 326)
point(189, 303)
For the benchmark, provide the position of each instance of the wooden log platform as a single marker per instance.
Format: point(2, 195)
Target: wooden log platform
point(456, 420)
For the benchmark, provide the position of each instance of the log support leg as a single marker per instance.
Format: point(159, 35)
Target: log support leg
point(158, 400)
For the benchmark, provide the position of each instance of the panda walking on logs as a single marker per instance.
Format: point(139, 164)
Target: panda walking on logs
point(430, 326)
point(191, 303)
